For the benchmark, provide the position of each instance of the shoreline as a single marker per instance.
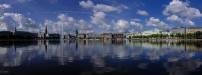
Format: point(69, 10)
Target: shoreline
point(149, 39)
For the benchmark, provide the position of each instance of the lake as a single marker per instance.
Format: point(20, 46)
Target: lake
point(101, 57)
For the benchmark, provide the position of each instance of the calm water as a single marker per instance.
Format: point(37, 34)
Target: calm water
point(96, 57)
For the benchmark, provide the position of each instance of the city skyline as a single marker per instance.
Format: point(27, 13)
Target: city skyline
point(98, 15)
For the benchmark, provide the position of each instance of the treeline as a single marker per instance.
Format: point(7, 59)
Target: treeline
point(196, 35)
point(17, 35)
point(4, 35)
point(149, 36)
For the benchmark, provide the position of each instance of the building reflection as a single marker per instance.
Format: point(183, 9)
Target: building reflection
point(172, 53)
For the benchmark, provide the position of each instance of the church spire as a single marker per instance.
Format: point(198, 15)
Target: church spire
point(46, 32)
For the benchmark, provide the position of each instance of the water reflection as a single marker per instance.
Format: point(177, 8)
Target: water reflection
point(90, 57)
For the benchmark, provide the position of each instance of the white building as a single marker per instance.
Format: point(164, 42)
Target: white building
point(150, 32)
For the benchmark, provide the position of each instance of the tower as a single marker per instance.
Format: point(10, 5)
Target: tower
point(15, 30)
point(46, 32)
point(77, 33)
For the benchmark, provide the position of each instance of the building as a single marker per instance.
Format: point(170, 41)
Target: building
point(93, 36)
point(53, 36)
point(188, 30)
point(118, 36)
point(150, 32)
point(81, 36)
point(106, 36)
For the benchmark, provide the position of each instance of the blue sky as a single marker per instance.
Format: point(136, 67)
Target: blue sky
point(99, 15)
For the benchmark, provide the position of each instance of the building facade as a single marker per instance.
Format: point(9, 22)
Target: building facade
point(188, 30)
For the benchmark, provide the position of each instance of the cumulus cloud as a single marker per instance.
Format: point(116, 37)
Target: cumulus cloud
point(101, 7)
point(135, 25)
point(67, 24)
point(174, 18)
point(86, 4)
point(84, 26)
point(182, 12)
point(182, 9)
point(5, 6)
point(142, 12)
point(52, 27)
point(106, 8)
point(122, 25)
point(19, 21)
point(189, 22)
point(98, 18)
point(155, 22)
point(3, 26)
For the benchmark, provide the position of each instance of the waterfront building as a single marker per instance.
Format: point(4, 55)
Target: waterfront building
point(106, 36)
point(54, 36)
point(40, 35)
point(130, 35)
point(118, 36)
point(93, 36)
point(81, 36)
point(188, 30)
point(150, 32)
point(46, 33)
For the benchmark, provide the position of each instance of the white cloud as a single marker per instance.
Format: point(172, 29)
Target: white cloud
point(68, 23)
point(98, 18)
point(19, 21)
point(106, 8)
point(182, 12)
point(65, 18)
point(189, 22)
point(5, 6)
point(82, 24)
point(86, 4)
point(136, 23)
point(122, 25)
point(155, 22)
point(142, 12)
point(52, 26)
point(182, 9)
point(3, 26)
point(101, 7)
point(174, 18)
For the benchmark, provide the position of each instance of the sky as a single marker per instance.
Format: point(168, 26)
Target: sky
point(98, 16)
